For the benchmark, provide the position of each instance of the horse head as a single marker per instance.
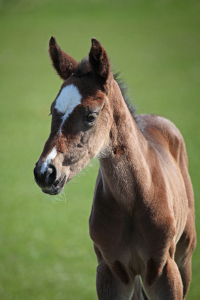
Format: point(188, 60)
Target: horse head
point(81, 117)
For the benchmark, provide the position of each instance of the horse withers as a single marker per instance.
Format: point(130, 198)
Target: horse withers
point(142, 218)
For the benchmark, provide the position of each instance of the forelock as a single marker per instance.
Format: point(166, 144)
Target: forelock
point(83, 68)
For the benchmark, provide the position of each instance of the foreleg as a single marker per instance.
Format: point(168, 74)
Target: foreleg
point(184, 250)
point(109, 286)
point(163, 283)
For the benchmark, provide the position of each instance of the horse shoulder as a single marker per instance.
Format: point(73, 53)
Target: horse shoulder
point(161, 131)
point(170, 172)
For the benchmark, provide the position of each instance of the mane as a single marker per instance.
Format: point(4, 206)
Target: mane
point(85, 69)
point(125, 93)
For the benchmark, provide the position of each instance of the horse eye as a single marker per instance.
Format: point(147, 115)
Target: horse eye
point(90, 118)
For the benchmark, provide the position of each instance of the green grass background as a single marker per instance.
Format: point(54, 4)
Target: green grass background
point(45, 249)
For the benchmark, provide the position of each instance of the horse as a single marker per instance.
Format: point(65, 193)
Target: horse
point(142, 220)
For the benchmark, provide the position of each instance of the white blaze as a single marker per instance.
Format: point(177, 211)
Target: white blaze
point(51, 156)
point(67, 100)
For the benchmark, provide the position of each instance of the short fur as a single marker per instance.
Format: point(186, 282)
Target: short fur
point(142, 218)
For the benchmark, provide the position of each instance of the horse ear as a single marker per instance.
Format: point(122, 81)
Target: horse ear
point(99, 61)
point(62, 62)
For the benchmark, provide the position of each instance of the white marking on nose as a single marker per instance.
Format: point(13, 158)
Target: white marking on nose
point(67, 100)
point(51, 156)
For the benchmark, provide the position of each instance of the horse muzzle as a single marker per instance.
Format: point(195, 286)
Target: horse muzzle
point(48, 181)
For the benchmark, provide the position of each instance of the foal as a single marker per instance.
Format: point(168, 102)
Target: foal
point(142, 218)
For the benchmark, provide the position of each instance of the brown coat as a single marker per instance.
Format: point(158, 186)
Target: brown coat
point(142, 218)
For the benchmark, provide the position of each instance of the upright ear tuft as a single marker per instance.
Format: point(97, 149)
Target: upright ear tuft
point(62, 62)
point(99, 61)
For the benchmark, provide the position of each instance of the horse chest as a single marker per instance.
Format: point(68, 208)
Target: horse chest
point(110, 228)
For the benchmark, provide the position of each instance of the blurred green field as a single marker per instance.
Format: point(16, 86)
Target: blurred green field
point(45, 249)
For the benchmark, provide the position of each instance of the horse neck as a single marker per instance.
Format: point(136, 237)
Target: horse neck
point(123, 164)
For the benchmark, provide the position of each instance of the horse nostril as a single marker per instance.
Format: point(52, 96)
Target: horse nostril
point(51, 174)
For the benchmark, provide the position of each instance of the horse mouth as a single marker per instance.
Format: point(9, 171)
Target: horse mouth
point(56, 187)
